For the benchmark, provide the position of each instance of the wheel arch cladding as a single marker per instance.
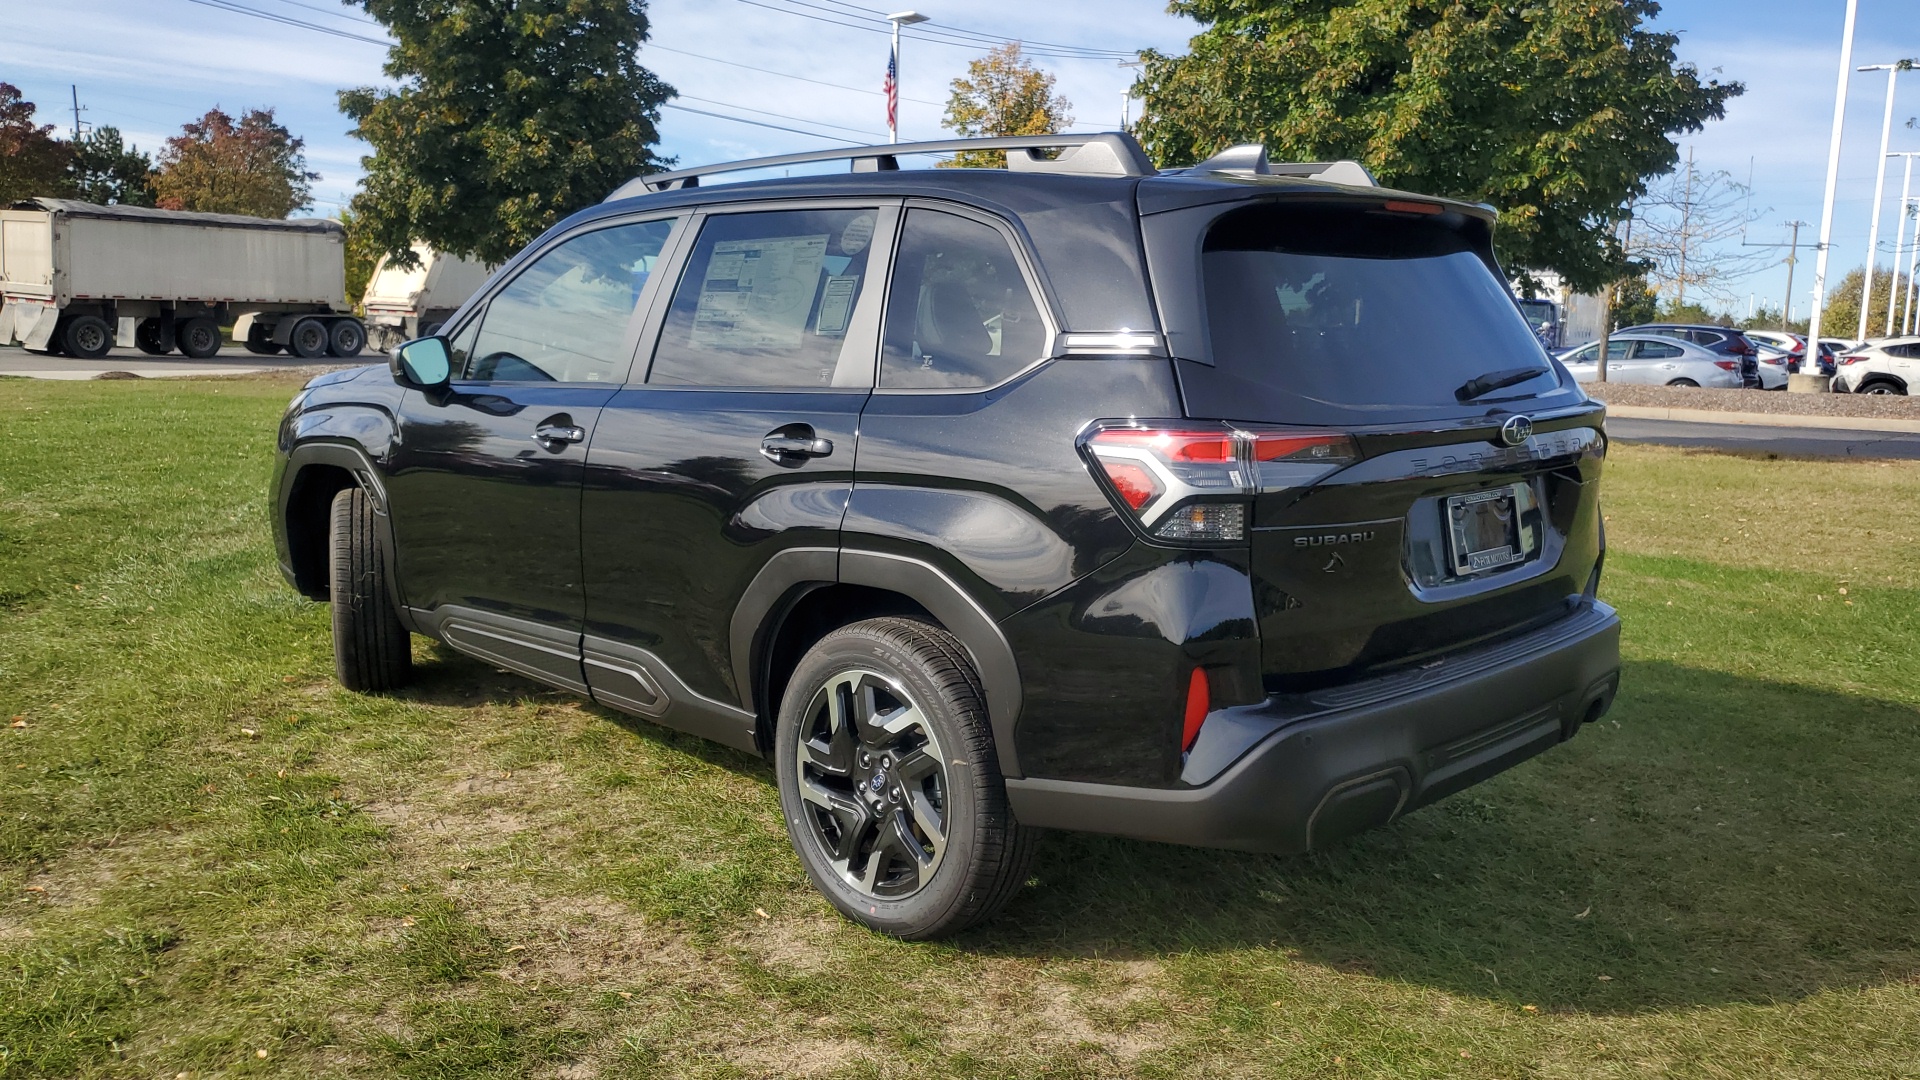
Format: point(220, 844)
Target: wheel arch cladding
point(315, 473)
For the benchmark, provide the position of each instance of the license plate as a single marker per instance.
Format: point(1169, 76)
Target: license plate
point(1483, 530)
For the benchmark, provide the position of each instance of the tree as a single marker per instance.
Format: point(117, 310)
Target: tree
point(217, 166)
point(508, 117)
point(104, 170)
point(1552, 110)
point(1686, 230)
point(362, 257)
point(1841, 315)
point(1003, 93)
point(32, 161)
point(1635, 303)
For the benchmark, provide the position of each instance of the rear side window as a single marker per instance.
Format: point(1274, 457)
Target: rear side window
point(1658, 350)
point(1310, 307)
point(959, 313)
point(766, 300)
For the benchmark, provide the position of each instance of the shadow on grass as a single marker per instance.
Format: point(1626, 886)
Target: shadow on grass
point(1714, 840)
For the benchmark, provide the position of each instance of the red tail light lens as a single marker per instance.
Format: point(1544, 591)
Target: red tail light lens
point(1199, 701)
point(1727, 365)
point(1189, 481)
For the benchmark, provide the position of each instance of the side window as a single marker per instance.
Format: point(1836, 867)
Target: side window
point(766, 300)
point(1585, 354)
point(564, 317)
point(1616, 350)
point(959, 313)
point(1657, 350)
point(1706, 338)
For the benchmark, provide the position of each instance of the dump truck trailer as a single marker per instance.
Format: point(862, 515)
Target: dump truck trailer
point(77, 278)
point(404, 303)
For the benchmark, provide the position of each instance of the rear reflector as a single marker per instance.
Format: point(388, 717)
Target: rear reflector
point(1199, 699)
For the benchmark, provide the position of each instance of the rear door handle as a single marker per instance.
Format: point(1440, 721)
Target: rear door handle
point(777, 446)
point(548, 434)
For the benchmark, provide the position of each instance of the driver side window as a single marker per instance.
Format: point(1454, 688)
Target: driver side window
point(564, 317)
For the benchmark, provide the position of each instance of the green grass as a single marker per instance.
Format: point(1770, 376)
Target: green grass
point(214, 862)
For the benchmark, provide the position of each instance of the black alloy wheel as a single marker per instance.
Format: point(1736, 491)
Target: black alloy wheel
point(346, 338)
point(87, 337)
point(198, 337)
point(146, 336)
point(308, 340)
point(889, 781)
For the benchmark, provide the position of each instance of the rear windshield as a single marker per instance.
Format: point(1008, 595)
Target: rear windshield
point(1360, 310)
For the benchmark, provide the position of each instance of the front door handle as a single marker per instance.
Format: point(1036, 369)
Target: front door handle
point(791, 442)
point(549, 435)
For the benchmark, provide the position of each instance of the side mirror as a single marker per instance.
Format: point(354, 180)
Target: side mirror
point(422, 364)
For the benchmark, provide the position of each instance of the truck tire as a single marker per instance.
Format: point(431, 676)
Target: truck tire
point(198, 337)
point(890, 785)
point(146, 335)
point(87, 337)
point(308, 340)
point(260, 339)
point(346, 337)
point(371, 650)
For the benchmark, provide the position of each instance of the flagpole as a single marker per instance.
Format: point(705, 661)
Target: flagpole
point(898, 19)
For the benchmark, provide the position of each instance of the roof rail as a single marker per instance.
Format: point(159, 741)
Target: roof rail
point(1250, 159)
point(1108, 153)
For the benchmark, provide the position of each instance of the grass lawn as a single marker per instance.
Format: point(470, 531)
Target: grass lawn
point(213, 862)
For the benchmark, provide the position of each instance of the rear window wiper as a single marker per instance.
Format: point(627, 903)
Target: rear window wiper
point(1482, 385)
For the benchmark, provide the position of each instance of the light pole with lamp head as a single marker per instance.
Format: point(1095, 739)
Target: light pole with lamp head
point(1893, 71)
point(1811, 382)
point(898, 19)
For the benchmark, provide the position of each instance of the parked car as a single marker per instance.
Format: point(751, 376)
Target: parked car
point(1889, 366)
point(1654, 360)
point(1774, 365)
point(1069, 495)
point(1724, 340)
point(1796, 347)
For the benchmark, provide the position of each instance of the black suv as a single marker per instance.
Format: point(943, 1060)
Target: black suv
point(1724, 340)
point(1234, 505)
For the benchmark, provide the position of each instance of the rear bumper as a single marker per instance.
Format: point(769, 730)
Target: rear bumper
point(1329, 765)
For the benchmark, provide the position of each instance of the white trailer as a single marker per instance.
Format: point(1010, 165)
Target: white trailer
point(76, 277)
point(402, 304)
point(1560, 317)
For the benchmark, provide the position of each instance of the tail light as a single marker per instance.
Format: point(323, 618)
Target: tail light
point(1852, 358)
point(1727, 365)
point(1191, 481)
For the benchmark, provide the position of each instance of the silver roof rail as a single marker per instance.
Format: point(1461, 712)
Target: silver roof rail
point(1250, 159)
point(1109, 153)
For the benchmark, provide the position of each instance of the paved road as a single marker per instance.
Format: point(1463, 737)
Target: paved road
point(1778, 440)
point(230, 361)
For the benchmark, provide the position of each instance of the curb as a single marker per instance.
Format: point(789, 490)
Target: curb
point(1710, 416)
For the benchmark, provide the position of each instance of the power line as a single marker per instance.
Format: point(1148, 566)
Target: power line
point(783, 116)
point(782, 74)
point(287, 20)
point(877, 26)
point(944, 30)
point(755, 123)
point(335, 14)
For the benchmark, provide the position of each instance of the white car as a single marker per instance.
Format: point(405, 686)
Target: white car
point(1652, 359)
point(1888, 366)
point(1773, 364)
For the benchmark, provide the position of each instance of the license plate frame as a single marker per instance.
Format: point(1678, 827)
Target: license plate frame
point(1484, 529)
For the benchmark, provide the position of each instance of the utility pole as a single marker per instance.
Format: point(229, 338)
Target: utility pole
point(1879, 190)
point(1793, 258)
point(1809, 381)
point(898, 19)
point(77, 110)
point(1899, 233)
point(1126, 96)
point(1907, 315)
point(1686, 222)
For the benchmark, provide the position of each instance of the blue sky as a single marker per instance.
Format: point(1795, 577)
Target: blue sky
point(146, 66)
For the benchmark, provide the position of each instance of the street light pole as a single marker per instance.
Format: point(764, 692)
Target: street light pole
point(1808, 381)
point(1899, 234)
point(898, 19)
point(1879, 191)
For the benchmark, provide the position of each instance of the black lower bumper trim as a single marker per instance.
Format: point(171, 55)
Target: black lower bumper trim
point(1333, 774)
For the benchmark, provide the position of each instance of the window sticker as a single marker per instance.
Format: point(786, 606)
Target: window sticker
point(857, 235)
point(757, 294)
point(836, 304)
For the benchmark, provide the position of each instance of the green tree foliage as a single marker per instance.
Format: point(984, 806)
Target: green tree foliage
point(1003, 93)
point(217, 165)
point(508, 117)
point(1635, 303)
point(105, 170)
point(32, 162)
point(1689, 311)
point(1553, 110)
point(362, 256)
point(1841, 316)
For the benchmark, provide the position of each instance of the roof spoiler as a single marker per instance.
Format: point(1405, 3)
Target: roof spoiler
point(1109, 153)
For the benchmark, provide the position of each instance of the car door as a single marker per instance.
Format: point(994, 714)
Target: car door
point(485, 479)
point(733, 444)
point(1655, 361)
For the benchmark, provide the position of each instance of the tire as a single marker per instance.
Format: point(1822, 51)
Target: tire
point(308, 340)
point(1881, 387)
point(86, 337)
point(953, 854)
point(371, 650)
point(346, 337)
point(198, 337)
point(1684, 382)
point(260, 340)
point(146, 337)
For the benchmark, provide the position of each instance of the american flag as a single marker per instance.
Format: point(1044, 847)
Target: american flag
point(893, 90)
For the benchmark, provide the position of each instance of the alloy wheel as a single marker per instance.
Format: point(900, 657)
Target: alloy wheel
point(874, 783)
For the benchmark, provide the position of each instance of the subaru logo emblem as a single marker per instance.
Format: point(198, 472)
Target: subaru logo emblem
point(1516, 430)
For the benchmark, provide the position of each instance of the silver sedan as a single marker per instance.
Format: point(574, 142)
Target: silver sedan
point(1654, 360)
